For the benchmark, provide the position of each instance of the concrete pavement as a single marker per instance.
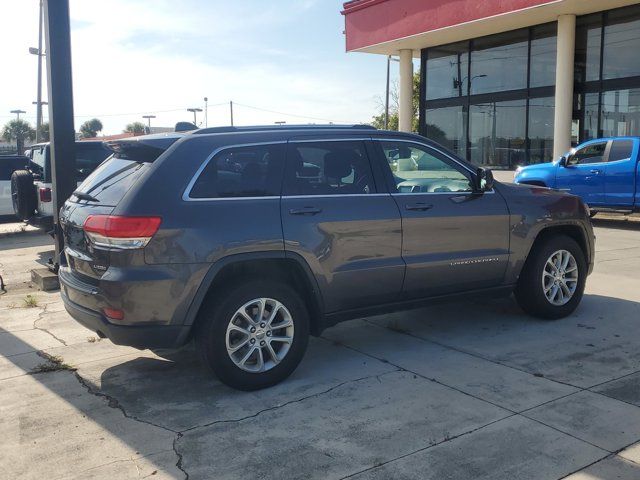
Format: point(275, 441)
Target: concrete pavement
point(474, 390)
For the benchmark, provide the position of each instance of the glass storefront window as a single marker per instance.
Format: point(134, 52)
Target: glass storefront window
point(447, 71)
point(489, 57)
point(590, 124)
point(588, 41)
point(543, 56)
point(541, 114)
point(621, 113)
point(497, 133)
point(447, 126)
point(621, 44)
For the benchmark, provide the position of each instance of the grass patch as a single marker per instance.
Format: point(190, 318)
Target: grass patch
point(30, 301)
point(53, 363)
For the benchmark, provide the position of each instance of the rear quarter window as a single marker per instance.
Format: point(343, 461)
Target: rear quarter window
point(251, 171)
point(621, 150)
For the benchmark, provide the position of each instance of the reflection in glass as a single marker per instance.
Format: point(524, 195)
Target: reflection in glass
point(621, 113)
point(497, 133)
point(543, 56)
point(499, 62)
point(622, 44)
point(588, 40)
point(447, 69)
point(447, 127)
point(590, 123)
point(541, 112)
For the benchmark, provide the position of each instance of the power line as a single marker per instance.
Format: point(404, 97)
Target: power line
point(291, 114)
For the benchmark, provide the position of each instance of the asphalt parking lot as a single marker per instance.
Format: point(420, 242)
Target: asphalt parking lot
point(464, 391)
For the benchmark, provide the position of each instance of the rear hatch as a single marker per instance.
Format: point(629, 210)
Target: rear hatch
point(88, 248)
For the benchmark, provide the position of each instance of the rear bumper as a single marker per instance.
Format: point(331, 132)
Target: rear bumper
point(143, 336)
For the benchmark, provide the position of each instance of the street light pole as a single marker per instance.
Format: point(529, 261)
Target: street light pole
point(194, 110)
point(206, 112)
point(149, 117)
point(17, 112)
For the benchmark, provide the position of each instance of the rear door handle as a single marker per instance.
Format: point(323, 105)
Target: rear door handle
point(305, 211)
point(420, 206)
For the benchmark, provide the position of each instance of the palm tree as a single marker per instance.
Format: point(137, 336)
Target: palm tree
point(18, 130)
point(90, 128)
point(137, 128)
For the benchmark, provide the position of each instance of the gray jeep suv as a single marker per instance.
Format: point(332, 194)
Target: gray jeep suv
point(248, 239)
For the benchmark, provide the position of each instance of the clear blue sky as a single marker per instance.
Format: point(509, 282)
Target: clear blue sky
point(161, 56)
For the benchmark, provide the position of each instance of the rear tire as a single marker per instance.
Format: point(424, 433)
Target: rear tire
point(225, 337)
point(547, 288)
point(23, 194)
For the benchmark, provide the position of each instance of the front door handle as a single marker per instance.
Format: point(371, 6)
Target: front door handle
point(305, 211)
point(420, 206)
point(596, 172)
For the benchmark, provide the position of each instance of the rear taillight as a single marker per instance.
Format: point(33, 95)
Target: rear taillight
point(45, 194)
point(115, 231)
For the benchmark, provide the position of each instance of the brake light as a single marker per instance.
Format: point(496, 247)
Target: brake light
point(113, 313)
point(114, 231)
point(45, 194)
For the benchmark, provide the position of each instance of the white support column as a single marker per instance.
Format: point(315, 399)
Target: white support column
point(564, 84)
point(405, 112)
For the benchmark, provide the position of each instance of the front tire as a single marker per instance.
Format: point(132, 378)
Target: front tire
point(253, 335)
point(552, 281)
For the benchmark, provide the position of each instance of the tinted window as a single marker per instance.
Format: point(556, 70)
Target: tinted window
point(588, 41)
point(446, 126)
point(541, 120)
point(543, 56)
point(254, 171)
point(38, 160)
point(447, 71)
point(112, 179)
point(621, 150)
point(593, 153)
point(328, 168)
point(10, 165)
point(418, 169)
point(491, 55)
point(88, 157)
point(621, 44)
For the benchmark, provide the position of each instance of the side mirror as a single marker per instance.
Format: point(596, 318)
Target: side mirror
point(563, 161)
point(484, 180)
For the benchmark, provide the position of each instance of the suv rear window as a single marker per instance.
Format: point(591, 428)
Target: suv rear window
point(88, 157)
point(111, 180)
point(251, 171)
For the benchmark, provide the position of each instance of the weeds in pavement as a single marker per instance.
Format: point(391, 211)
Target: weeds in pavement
point(30, 301)
point(53, 364)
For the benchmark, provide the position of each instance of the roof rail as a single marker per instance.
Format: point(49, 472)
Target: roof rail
point(264, 128)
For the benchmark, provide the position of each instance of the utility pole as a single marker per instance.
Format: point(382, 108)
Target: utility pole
point(206, 113)
point(231, 110)
point(194, 110)
point(58, 43)
point(149, 117)
point(39, 53)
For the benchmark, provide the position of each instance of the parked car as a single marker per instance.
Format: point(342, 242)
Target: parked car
point(8, 165)
point(603, 172)
point(31, 187)
point(248, 239)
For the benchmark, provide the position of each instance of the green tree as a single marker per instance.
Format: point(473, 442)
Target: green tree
point(394, 97)
point(90, 128)
point(18, 130)
point(137, 128)
point(44, 132)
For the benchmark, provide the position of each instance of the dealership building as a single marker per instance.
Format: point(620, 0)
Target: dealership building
point(509, 82)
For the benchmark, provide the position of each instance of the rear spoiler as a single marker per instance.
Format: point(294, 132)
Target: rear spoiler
point(145, 148)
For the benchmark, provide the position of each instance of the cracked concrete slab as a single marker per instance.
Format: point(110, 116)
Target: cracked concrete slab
point(53, 427)
point(504, 386)
point(359, 423)
point(197, 398)
point(514, 448)
point(602, 421)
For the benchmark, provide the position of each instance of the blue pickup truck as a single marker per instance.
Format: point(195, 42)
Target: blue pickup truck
point(604, 173)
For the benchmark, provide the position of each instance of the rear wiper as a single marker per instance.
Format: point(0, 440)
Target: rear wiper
point(85, 196)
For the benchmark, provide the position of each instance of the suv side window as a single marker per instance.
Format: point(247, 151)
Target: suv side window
point(251, 171)
point(38, 160)
point(621, 150)
point(420, 169)
point(593, 153)
point(328, 168)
